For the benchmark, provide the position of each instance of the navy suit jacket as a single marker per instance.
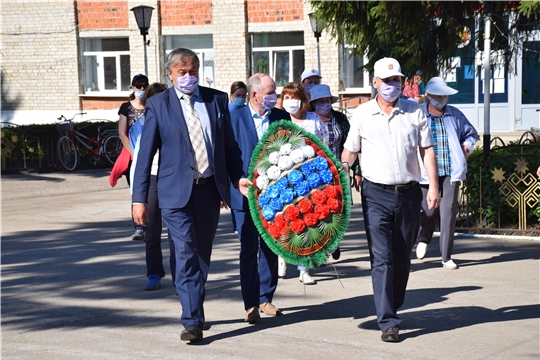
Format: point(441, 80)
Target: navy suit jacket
point(246, 136)
point(165, 129)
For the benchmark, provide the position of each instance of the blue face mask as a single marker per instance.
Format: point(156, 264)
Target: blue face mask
point(139, 94)
point(239, 102)
point(390, 90)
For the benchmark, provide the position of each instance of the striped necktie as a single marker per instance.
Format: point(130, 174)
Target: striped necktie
point(196, 136)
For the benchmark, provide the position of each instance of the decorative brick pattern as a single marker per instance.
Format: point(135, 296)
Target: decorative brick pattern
point(259, 11)
point(183, 13)
point(103, 14)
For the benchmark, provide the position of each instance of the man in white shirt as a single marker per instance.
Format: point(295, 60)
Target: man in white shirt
point(390, 131)
point(258, 264)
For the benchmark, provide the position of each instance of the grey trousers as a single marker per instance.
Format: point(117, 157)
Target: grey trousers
point(445, 214)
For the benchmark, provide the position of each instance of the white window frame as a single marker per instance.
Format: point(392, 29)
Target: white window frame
point(271, 59)
point(366, 88)
point(100, 55)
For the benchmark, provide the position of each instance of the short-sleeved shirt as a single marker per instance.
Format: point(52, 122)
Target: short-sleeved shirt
point(389, 143)
point(313, 124)
point(130, 113)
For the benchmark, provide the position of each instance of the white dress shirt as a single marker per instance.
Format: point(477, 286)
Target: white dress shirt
point(389, 142)
point(261, 122)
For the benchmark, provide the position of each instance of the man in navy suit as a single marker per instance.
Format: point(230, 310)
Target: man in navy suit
point(190, 126)
point(258, 277)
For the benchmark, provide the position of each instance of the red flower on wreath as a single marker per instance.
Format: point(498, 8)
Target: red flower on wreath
point(331, 191)
point(318, 197)
point(298, 226)
point(280, 220)
point(322, 211)
point(292, 213)
point(275, 230)
point(305, 206)
point(311, 219)
point(333, 205)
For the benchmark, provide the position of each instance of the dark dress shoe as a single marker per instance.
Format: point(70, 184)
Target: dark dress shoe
point(192, 333)
point(391, 334)
point(336, 254)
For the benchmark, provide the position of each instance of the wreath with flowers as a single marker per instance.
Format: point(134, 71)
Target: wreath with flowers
point(300, 201)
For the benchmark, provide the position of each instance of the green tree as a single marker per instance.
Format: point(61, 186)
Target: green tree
point(427, 34)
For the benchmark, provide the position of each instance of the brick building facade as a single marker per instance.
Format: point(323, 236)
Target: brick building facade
point(75, 47)
point(86, 52)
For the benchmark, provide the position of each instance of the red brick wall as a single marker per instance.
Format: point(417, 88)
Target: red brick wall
point(103, 14)
point(103, 103)
point(274, 10)
point(192, 12)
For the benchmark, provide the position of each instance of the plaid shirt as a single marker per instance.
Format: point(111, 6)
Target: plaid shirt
point(441, 146)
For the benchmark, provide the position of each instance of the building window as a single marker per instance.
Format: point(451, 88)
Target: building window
point(530, 79)
point(106, 64)
point(352, 77)
point(280, 55)
point(203, 46)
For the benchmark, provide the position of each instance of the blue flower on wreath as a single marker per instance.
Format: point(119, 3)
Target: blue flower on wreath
point(308, 168)
point(282, 184)
point(268, 213)
point(326, 176)
point(287, 196)
point(272, 191)
point(264, 199)
point(302, 188)
point(320, 163)
point(313, 180)
point(295, 176)
point(276, 204)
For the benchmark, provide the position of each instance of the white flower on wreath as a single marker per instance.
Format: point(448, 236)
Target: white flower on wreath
point(297, 155)
point(285, 149)
point(273, 172)
point(262, 181)
point(273, 157)
point(285, 163)
point(308, 152)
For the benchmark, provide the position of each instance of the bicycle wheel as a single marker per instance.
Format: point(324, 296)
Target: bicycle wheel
point(67, 153)
point(112, 147)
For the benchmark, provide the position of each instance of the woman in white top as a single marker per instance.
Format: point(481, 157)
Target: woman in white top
point(295, 101)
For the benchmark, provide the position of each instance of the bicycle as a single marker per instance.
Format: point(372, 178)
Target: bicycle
point(107, 145)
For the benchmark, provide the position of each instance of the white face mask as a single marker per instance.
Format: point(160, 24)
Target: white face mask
point(292, 105)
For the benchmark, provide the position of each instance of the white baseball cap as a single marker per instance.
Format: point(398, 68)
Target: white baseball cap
point(387, 67)
point(309, 73)
point(437, 86)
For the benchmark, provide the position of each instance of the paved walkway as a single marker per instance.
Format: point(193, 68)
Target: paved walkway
point(72, 288)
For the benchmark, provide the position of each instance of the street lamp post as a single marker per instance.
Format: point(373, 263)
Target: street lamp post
point(317, 29)
point(143, 15)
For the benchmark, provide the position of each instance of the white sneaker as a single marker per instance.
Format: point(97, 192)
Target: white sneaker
point(450, 264)
point(282, 267)
point(306, 279)
point(421, 249)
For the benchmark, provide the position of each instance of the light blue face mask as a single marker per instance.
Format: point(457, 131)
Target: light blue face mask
point(439, 104)
point(139, 94)
point(239, 102)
